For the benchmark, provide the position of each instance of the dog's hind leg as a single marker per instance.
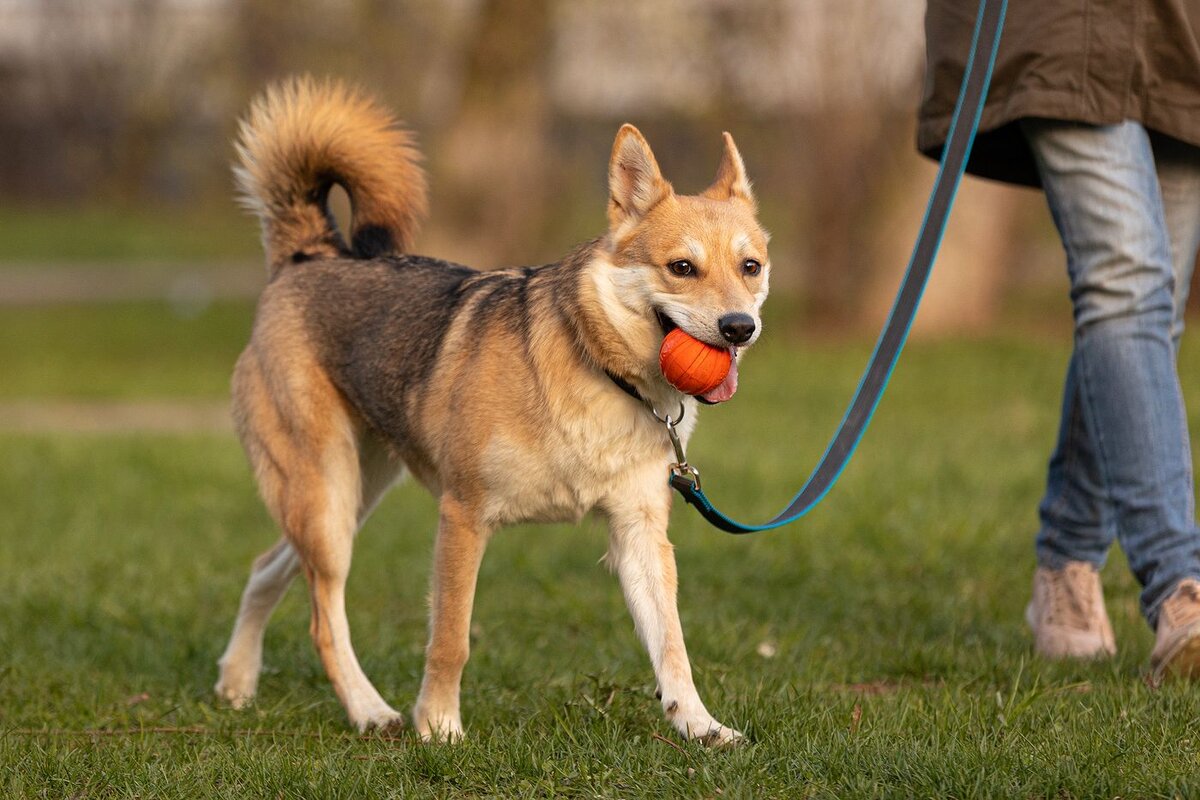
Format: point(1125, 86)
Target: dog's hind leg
point(270, 577)
point(458, 552)
point(273, 573)
point(260, 425)
point(644, 561)
point(323, 529)
point(305, 450)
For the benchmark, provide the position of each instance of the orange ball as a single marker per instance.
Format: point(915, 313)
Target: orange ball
point(690, 365)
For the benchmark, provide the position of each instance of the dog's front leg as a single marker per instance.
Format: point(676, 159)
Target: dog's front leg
point(457, 554)
point(644, 561)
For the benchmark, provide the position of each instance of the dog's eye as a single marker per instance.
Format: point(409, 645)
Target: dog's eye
point(681, 268)
point(751, 267)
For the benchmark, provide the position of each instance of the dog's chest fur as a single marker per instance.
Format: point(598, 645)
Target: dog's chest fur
point(606, 449)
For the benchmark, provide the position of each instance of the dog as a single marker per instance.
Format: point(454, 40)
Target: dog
point(512, 395)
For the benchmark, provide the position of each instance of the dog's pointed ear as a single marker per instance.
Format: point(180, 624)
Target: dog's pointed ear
point(635, 184)
point(731, 179)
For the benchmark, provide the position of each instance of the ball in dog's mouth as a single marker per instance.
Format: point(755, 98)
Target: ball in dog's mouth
point(697, 368)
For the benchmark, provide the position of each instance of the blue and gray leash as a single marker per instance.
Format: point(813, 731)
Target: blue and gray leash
point(989, 23)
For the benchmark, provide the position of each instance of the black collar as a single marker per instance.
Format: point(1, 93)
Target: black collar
point(625, 386)
point(631, 390)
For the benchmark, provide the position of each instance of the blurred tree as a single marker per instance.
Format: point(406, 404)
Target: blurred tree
point(115, 87)
point(270, 39)
point(496, 158)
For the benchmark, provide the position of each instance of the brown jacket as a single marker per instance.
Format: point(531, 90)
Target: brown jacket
point(1094, 61)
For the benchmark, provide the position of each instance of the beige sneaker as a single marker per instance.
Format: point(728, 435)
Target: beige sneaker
point(1067, 613)
point(1177, 641)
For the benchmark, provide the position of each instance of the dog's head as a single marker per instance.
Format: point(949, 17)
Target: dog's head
point(697, 262)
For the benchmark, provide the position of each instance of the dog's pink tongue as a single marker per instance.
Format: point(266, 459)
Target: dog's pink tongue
point(727, 387)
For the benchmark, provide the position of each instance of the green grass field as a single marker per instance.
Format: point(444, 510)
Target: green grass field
point(896, 660)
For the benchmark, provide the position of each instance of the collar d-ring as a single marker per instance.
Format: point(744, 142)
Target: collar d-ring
point(681, 468)
point(665, 419)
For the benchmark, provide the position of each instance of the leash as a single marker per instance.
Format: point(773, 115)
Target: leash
point(989, 22)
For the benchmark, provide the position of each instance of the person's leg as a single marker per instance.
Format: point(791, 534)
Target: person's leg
point(1076, 521)
point(1066, 612)
point(1104, 195)
point(1177, 643)
point(1178, 166)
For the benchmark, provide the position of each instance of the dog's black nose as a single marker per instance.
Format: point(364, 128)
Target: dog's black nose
point(736, 328)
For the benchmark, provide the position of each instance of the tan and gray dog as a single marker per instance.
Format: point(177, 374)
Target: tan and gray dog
point(512, 396)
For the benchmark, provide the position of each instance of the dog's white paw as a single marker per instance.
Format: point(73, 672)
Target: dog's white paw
point(386, 721)
point(719, 735)
point(234, 699)
point(700, 726)
point(237, 686)
point(710, 733)
point(432, 727)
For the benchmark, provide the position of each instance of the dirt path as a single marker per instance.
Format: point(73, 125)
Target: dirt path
point(33, 416)
point(47, 284)
point(186, 285)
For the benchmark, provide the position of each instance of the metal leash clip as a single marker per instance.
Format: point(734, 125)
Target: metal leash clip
point(681, 468)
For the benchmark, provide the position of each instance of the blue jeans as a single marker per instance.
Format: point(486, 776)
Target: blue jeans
point(1127, 207)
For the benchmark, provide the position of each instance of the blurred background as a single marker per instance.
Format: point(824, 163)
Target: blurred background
point(127, 268)
point(118, 115)
point(128, 278)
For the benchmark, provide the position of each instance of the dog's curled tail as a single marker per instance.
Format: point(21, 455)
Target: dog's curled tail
point(301, 137)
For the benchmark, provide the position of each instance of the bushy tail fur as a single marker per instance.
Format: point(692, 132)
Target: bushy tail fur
point(304, 135)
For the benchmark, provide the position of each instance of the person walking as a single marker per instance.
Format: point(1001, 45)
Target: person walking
point(1099, 106)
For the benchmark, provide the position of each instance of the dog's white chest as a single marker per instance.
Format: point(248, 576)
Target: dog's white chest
point(576, 461)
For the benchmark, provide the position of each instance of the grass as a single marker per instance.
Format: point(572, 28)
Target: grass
point(121, 351)
point(897, 663)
